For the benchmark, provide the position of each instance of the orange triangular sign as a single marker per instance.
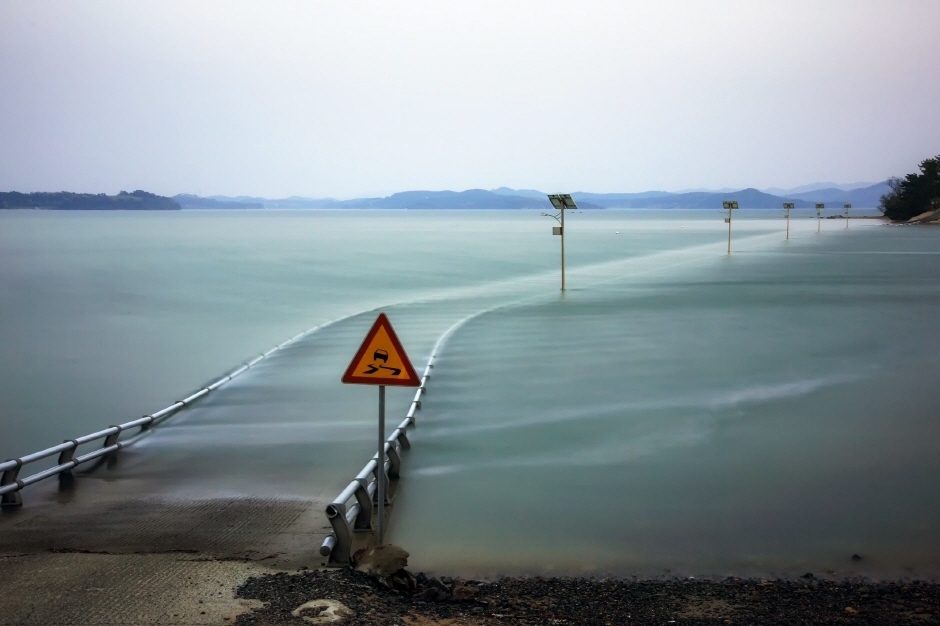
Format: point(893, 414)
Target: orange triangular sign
point(381, 360)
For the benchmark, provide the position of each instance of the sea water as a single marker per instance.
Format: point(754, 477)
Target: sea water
point(676, 411)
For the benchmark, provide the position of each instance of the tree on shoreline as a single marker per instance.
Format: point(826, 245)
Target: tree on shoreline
point(67, 201)
point(912, 195)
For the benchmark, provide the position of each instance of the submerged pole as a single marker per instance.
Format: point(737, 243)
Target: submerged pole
point(729, 206)
point(562, 248)
point(560, 201)
point(729, 232)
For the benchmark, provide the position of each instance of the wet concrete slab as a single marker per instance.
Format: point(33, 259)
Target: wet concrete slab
point(59, 589)
point(107, 558)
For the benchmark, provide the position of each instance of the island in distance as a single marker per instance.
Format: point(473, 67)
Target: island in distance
point(501, 198)
point(68, 201)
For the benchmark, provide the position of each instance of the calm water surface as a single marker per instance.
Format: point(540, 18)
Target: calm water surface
point(676, 411)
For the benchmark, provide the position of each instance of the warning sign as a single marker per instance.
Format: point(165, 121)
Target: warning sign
point(381, 360)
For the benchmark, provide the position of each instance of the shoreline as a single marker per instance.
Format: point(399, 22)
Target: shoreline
point(365, 599)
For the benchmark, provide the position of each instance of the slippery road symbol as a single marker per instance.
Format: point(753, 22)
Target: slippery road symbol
point(381, 355)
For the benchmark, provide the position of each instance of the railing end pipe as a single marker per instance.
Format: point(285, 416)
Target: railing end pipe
point(328, 544)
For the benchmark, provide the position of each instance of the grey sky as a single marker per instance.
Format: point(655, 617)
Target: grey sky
point(352, 98)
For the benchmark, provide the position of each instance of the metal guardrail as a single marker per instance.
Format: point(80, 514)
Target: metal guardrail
point(349, 518)
point(11, 483)
point(357, 517)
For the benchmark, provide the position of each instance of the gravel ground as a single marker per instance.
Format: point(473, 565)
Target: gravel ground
point(409, 600)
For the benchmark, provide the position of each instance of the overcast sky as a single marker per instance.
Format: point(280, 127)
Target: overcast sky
point(348, 99)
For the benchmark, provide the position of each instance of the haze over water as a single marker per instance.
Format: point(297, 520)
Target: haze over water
point(676, 410)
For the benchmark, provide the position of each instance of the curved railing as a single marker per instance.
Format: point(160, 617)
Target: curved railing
point(11, 483)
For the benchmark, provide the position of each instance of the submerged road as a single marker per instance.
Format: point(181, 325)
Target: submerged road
point(234, 485)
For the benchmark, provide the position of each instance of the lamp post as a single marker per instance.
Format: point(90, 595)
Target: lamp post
point(729, 205)
point(819, 209)
point(786, 208)
point(561, 201)
point(846, 207)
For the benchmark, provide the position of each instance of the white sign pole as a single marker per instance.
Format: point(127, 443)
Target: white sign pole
point(380, 470)
point(562, 248)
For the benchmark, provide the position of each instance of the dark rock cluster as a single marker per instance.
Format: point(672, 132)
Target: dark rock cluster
point(403, 599)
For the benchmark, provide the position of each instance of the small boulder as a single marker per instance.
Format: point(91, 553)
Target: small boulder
point(328, 611)
point(403, 582)
point(433, 594)
point(463, 592)
point(382, 561)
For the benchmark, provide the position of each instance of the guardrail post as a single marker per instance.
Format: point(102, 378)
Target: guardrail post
point(10, 476)
point(336, 512)
point(112, 440)
point(364, 516)
point(403, 439)
point(66, 477)
point(394, 458)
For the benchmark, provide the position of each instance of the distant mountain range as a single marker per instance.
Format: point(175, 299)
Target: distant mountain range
point(815, 187)
point(866, 196)
point(469, 199)
point(500, 198)
point(189, 201)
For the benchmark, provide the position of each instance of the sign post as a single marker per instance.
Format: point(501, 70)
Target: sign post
point(561, 201)
point(846, 207)
point(786, 207)
point(381, 361)
point(730, 205)
point(819, 209)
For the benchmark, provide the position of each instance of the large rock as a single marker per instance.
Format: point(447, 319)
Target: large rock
point(381, 561)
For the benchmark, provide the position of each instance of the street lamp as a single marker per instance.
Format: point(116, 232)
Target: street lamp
point(730, 205)
point(561, 201)
point(786, 207)
point(846, 207)
point(819, 209)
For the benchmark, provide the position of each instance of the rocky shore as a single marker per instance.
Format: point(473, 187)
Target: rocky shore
point(385, 596)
